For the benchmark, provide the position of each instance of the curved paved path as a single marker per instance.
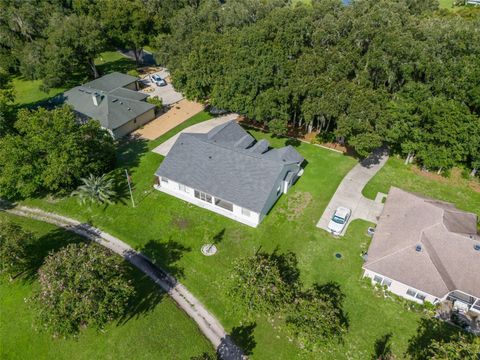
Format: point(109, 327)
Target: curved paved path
point(207, 323)
point(349, 192)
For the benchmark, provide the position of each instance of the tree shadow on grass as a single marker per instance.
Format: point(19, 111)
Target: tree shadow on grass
point(122, 65)
point(42, 246)
point(332, 292)
point(147, 296)
point(129, 152)
point(383, 348)
point(166, 255)
point(429, 330)
point(243, 336)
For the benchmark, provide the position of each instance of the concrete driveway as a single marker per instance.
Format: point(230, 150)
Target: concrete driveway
point(167, 93)
point(200, 128)
point(349, 192)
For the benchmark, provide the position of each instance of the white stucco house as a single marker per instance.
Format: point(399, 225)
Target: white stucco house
point(426, 250)
point(228, 172)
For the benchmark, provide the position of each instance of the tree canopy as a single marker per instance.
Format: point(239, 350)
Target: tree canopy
point(400, 72)
point(81, 285)
point(51, 151)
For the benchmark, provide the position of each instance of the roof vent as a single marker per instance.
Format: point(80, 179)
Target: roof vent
point(114, 100)
point(418, 248)
point(476, 247)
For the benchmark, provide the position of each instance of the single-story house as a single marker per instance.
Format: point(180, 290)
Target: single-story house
point(228, 172)
point(114, 101)
point(426, 250)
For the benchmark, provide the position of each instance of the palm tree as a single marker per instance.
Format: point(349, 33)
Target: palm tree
point(95, 189)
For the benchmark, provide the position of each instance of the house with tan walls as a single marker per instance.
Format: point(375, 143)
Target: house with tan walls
point(114, 101)
point(427, 250)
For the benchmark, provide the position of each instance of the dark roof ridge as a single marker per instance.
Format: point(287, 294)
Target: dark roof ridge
point(239, 150)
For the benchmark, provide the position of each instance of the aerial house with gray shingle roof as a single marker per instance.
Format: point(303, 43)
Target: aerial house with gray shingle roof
point(426, 250)
point(227, 171)
point(113, 100)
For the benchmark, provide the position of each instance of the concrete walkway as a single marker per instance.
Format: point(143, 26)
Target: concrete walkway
point(349, 192)
point(208, 324)
point(202, 127)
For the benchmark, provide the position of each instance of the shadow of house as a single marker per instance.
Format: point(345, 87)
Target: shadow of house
point(166, 255)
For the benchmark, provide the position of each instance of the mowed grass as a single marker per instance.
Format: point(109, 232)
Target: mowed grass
point(172, 232)
point(407, 177)
point(154, 327)
point(28, 93)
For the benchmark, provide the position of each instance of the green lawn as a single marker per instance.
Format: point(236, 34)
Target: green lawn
point(172, 232)
point(27, 92)
point(395, 173)
point(154, 327)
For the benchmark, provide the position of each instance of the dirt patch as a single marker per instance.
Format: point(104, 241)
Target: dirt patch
point(177, 114)
point(181, 223)
point(296, 204)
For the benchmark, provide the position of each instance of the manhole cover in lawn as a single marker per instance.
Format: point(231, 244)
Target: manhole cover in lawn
point(338, 255)
point(209, 249)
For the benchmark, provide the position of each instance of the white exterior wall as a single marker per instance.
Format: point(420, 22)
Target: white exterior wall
point(172, 188)
point(400, 289)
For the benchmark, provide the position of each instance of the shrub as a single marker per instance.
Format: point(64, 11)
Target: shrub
point(14, 243)
point(81, 285)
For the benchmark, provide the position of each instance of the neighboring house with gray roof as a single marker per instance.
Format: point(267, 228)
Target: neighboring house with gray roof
point(113, 100)
point(426, 250)
point(227, 171)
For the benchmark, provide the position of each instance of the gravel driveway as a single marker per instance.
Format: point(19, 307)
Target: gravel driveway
point(349, 192)
point(167, 93)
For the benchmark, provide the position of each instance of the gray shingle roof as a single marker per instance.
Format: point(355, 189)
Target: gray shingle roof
point(216, 164)
point(447, 260)
point(115, 107)
point(111, 81)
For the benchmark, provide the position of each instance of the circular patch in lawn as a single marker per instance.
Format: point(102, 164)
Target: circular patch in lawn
point(338, 256)
point(209, 249)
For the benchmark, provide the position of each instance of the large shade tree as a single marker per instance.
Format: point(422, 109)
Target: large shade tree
point(51, 152)
point(82, 285)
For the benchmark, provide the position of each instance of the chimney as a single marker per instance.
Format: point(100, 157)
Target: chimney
point(97, 98)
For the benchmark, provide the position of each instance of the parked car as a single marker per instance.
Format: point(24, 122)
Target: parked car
point(339, 220)
point(158, 80)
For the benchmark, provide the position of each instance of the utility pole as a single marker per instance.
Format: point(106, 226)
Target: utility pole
point(130, 187)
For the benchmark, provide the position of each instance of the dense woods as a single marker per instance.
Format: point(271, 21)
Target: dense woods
point(400, 72)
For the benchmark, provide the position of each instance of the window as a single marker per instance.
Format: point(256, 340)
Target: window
point(224, 204)
point(165, 180)
point(182, 187)
point(387, 282)
point(411, 292)
point(245, 212)
point(203, 196)
point(377, 279)
point(420, 296)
